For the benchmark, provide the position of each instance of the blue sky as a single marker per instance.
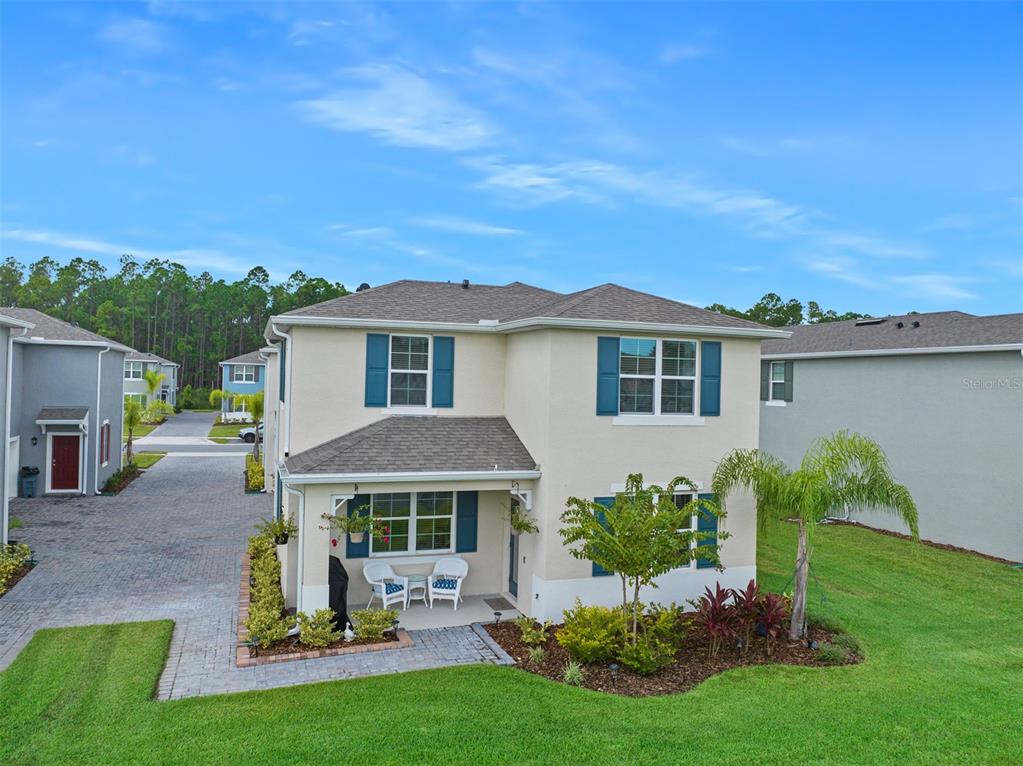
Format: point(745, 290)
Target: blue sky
point(866, 156)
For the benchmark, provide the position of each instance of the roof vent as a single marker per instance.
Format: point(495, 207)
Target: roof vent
point(363, 286)
point(870, 320)
point(465, 284)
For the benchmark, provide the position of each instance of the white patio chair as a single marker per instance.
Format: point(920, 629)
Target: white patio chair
point(446, 580)
point(386, 585)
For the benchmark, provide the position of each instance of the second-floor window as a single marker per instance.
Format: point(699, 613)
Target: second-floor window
point(133, 370)
point(657, 377)
point(409, 374)
point(244, 373)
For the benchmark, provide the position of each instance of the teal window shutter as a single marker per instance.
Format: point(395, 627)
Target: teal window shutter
point(281, 360)
point(710, 377)
point(607, 376)
point(358, 504)
point(706, 522)
point(789, 366)
point(377, 353)
point(443, 372)
point(467, 505)
point(607, 502)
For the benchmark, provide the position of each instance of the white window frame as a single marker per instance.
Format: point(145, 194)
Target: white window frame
point(412, 523)
point(771, 381)
point(428, 372)
point(243, 373)
point(130, 368)
point(659, 376)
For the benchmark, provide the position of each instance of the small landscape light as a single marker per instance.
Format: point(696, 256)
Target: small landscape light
point(497, 618)
point(614, 667)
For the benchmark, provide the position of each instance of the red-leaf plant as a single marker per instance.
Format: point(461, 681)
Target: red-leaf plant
point(716, 616)
point(772, 614)
point(747, 604)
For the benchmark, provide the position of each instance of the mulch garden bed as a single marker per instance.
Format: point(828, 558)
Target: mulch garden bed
point(693, 661)
point(16, 577)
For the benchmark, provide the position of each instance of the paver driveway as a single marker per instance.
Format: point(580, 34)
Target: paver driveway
point(170, 546)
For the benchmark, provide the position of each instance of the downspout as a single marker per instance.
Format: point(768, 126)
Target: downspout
point(7, 429)
point(300, 576)
point(99, 428)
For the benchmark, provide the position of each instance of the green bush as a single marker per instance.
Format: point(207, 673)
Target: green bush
point(532, 632)
point(266, 623)
point(253, 473)
point(373, 623)
point(647, 656)
point(847, 642)
point(592, 633)
point(318, 630)
point(12, 558)
point(831, 654)
point(573, 674)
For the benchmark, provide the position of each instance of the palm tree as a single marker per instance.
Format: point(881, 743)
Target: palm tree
point(153, 381)
point(840, 472)
point(132, 419)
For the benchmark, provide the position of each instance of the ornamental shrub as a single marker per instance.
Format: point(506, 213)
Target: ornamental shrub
point(12, 558)
point(592, 633)
point(318, 630)
point(373, 623)
point(532, 632)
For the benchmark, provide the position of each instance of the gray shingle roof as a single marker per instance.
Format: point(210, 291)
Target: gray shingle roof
point(943, 329)
point(62, 413)
point(146, 356)
point(250, 358)
point(411, 300)
point(51, 328)
point(412, 443)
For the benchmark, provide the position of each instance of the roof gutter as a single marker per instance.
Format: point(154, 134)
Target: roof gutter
point(402, 476)
point(531, 323)
point(895, 351)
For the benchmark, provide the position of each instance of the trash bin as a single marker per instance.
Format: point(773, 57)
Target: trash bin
point(29, 478)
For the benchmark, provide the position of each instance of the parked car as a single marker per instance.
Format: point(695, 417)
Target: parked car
point(249, 434)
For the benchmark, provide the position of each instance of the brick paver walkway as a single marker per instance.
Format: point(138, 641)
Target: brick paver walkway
point(170, 547)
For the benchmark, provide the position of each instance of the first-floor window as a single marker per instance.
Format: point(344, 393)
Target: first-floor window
point(416, 522)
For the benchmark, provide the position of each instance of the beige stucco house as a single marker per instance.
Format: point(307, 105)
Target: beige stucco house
point(439, 405)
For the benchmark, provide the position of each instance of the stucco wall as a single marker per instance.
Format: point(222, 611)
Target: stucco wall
point(951, 425)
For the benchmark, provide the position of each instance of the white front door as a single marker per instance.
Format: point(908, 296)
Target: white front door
point(13, 459)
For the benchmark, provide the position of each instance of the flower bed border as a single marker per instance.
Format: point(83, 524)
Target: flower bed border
point(243, 654)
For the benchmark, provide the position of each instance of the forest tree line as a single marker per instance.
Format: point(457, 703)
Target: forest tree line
point(157, 306)
point(198, 321)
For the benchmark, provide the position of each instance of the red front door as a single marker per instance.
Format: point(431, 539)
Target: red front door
point(64, 462)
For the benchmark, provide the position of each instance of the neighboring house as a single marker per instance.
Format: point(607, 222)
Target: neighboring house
point(136, 364)
point(942, 393)
point(63, 404)
point(245, 374)
point(441, 405)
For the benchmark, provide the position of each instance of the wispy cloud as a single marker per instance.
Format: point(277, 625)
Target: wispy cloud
point(465, 226)
point(935, 286)
point(135, 36)
point(398, 106)
point(672, 53)
point(196, 258)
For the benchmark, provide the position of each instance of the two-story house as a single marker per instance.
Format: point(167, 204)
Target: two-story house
point(136, 364)
point(942, 393)
point(244, 374)
point(62, 402)
point(439, 405)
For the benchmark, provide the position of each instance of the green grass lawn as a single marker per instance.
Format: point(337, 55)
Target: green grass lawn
point(140, 430)
point(148, 459)
point(940, 685)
